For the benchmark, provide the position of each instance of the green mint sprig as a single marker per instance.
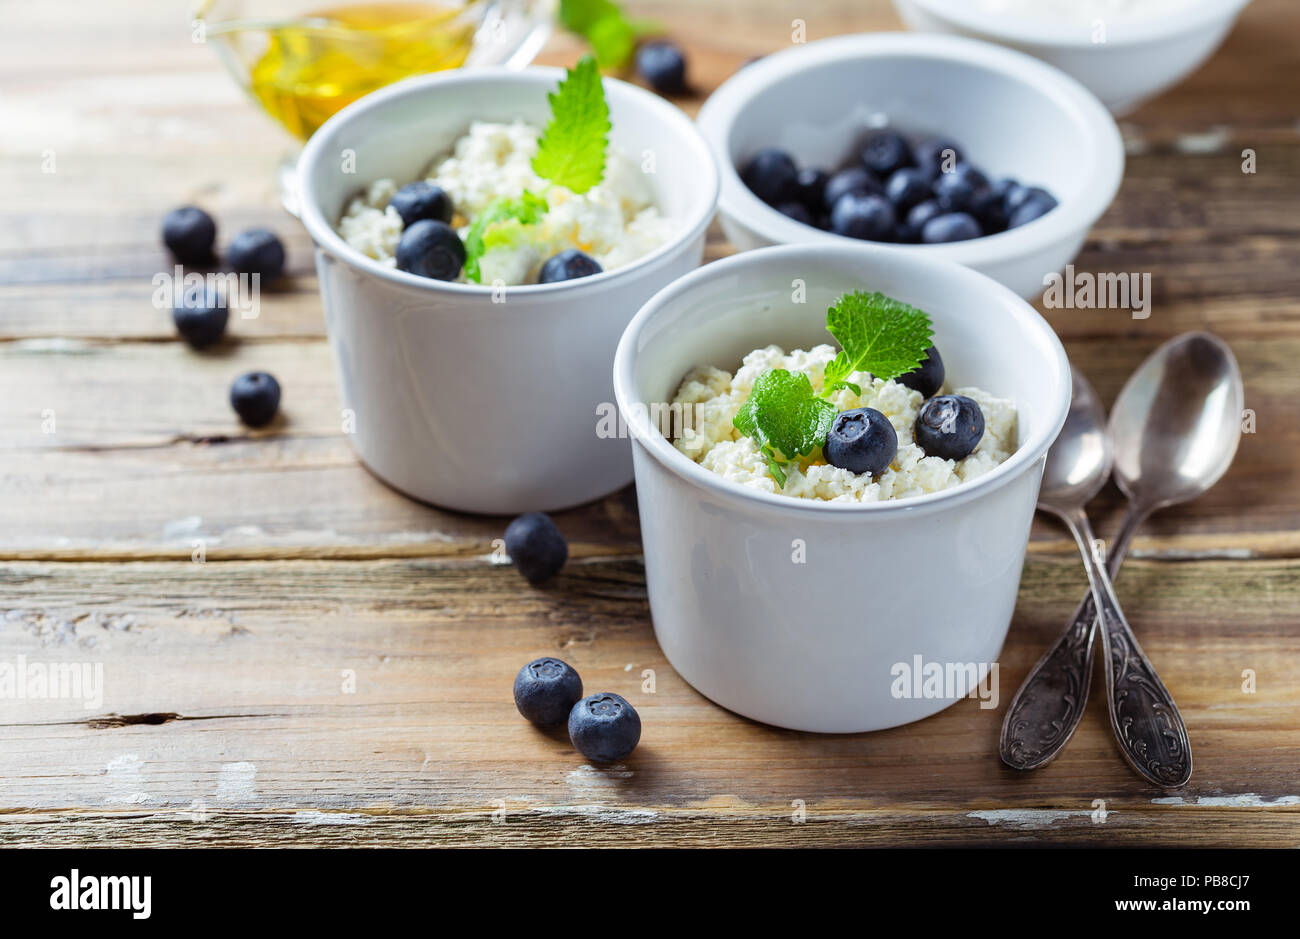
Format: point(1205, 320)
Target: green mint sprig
point(571, 153)
point(611, 35)
point(876, 333)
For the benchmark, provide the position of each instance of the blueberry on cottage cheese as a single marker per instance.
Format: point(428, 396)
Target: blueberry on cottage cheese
point(663, 65)
point(255, 397)
point(953, 226)
point(885, 151)
point(949, 426)
point(546, 690)
point(906, 188)
point(770, 175)
point(201, 316)
point(855, 179)
point(569, 264)
point(420, 200)
point(189, 233)
point(536, 547)
point(863, 215)
point(604, 727)
point(257, 251)
point(431, 249)
point(927, 377)
point(861, 441)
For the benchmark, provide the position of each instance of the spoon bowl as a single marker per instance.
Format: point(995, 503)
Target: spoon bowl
point(1177, 421)
point(1081, 458)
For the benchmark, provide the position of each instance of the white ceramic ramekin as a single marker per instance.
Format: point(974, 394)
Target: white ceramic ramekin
point(474, 399)
point(1011, 114)
point(1122, 61)
point(796, 612)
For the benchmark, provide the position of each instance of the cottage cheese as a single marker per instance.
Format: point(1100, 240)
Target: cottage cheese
point(710, 397)
point(615, 222)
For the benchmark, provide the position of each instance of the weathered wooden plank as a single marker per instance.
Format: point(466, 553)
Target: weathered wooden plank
point(227, 680)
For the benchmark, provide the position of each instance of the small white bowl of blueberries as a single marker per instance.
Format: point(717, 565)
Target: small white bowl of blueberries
point(950, 146)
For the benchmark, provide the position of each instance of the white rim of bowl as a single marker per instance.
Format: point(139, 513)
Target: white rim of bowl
point(322, 232)
point(1070, 218)
point(1013, 28)
point(670, 458)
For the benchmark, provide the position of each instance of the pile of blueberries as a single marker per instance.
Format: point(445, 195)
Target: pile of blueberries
point(430, 247)
point(202, 314)
point(863, 440)
point(603, 727)
point(896, 191)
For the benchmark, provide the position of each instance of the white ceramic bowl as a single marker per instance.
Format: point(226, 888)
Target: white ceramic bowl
point(1139, 58)
point(811, 646)
point(1011, 114)
point(472, 400)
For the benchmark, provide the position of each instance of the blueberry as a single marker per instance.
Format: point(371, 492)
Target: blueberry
point(937, 154)
point(906, 188)
point(1037, 205)
point(569, 264)
point(255, 398)
point(885, 151)
point(604, 727)
point(949, 426)
point(257, 251)
point(770, 175)
point(810, 187)
point(797, 211)
point(421, 200)
point(854, 179)
point(430, 249)
point(866, 216)
point(536, 547)
point(927, 377)
point(663, 66)
point(910, 229)
point(189, 233)
point(1017, 194)
point(201, 316)
point(546, 691)
point(951, 226)
point(958, 190)
point(989, 207)
point(861, 441)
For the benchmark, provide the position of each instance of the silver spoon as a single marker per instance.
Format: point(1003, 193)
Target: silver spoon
point(1175, 426)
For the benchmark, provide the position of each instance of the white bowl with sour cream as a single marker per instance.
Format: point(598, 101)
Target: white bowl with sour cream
point(475, 397)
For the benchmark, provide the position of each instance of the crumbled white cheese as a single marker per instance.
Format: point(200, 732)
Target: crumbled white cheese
point(708, 399)
point(615, 222)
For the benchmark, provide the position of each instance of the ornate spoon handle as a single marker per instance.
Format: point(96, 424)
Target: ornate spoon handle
point(1050, 703)
point(1146, 722)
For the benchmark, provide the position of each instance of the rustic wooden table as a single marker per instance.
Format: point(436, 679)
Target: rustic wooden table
point(228, 714)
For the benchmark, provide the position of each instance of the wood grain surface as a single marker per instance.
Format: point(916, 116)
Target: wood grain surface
point(337, 670)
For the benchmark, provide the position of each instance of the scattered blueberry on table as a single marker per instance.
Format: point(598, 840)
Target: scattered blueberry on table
point(430, 248)
point(894, 190)
point(189, 233)
point(604, 727)
point(536, 547)
point(255, 396)
point(569, 264)
point(949, 426)
point(546, 690)
point(421, 200)
point(861, 441)
point(663, 66)
point(257, 251)
point(201, 316)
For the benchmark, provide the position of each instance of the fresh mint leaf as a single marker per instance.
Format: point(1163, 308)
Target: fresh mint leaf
point(877, 334)
point(785, 417)
point(611, 35)
point(502, 215)
point(571, 152)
